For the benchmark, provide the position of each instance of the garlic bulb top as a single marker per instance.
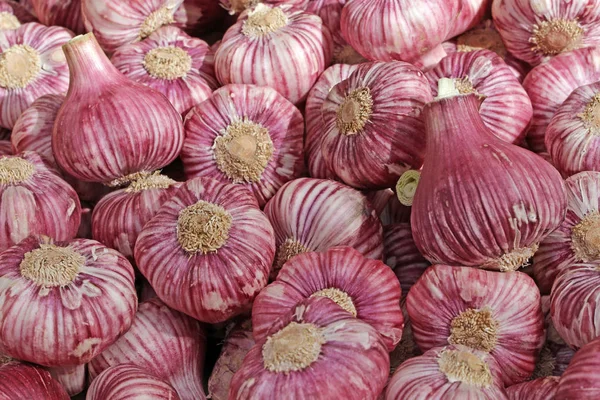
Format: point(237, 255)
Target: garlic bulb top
point(13, 15)
point(61, 13)
point(24, 381)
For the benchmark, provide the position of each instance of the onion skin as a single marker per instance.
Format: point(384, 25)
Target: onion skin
point(61, 13)
point(23, 381)
point(580, 381)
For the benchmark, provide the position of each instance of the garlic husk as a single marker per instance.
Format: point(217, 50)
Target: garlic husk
point(169, 61)
point(316, 214)
point(581, 381)
point(211, 230)
point(498, 313)
point(32, 64)
point(303, 348)
point(6, 148)
point(470, 15)
point(35, 200)
point(372, 129)
point(109, 126)
point(128, 382)
point(458, 216)
point(239, 6)
point(537, 389)
point(72, 378)
point(13, 15)
point(294, 43)
point(450, 372)
point(24, 381)
point(61, 13)
point(550, 84)
point(505, 108)
point(165, 342)
point(197, 16)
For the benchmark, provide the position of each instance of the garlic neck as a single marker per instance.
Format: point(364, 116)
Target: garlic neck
point(585, 238)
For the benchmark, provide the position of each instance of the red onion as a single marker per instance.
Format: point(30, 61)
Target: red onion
point(23, 381)
point(581, 380)
point(538, 389)
point(60, 12)
point(13, 14)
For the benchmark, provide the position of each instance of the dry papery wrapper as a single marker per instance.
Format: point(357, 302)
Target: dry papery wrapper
point(303, 347)
point(170, 62)
point(214, 247)
point(577, 239)
point(288, 40)
point(316, 214)
point(24, 381)
point(13, 15)
point(458, 216)
point(72, 378)
point(239, 6)
point(505, 108)
point(450, 372)
point(550, 84)
point(581, 380)
point(372, 129)
point(5, 148)
point(537, 30)
point(61, 13)
point(497, 313)
point(247, 135)
point(537, 389)
point(166, 343)
point(365, 288)
point(32, 64)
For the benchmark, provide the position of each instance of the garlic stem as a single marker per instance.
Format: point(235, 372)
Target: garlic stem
point(446, 89)
point(407, 186)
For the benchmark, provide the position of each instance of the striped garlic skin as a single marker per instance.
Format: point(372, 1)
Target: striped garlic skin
point(5, 148)
point(24, 381)
point(61, 13)
point(18, 10)
point(260, 105)
point(353, 362)
point(391, 140)
point(556, 355)
point(164, 342)
point(333, 75)
point(72, 378)
point(471, 14)
point(129, 382)
point(581, 381)
point(42, 204)
point(444, 292)
point(290, 59)
point(537, 389)
point(505, 109)
point(556, 252)
point(184, 92)
point(78, 320)
point(550, 84)
point(52, 78)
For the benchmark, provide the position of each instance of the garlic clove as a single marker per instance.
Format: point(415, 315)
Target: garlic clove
point(23, 381)
point(580, 380)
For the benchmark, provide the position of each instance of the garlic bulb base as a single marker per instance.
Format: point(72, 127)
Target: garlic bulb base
point(8, 21)
point(293, 348)
point(512, 261)
point(127, 179)
point(20, 65)
point(585, 238)
point(476, 329)
point(167, 62)
point(203, 227)
point(288, 249)
point(464, 366)
point(556, 36)
point(15, 170)
point(263, 20)
point(51, 266)
point(158, 18)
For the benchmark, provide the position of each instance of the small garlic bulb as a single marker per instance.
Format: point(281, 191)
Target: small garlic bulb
point(581, 380)
point(24, 381)
point(537, 389)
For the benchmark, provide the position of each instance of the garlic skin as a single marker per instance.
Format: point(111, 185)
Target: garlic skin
point(580, 380)
point(550, 84)
point(32, 64)
point(5, 148)
point(498, 313)
point(61, 13)
point(407, 348)
point(79, 293)
point(372, 129)
point(238, 6)
point(505, 108)
point(314, 214)
point(450, 372)
point(538, 389)
point(13, 15)
point(392, 212)
point(24, 381)
point(301, 350)
point(72, 378)
point(35, 200)
point(289, 40)
point(198, 16)
point(169, 61)
point(215, 245)
point(130, 382)
point(470, 15)
point(164, 342)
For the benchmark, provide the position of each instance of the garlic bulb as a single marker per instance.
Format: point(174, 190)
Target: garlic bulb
point(130, 382)
point(450, 372)
point(35, 200)
point(372, 129)
point(109, 126)
point(166, 343)
point(60, 12)
point(549, 84)
point(294, 43)
point(32, 64)
point(505, 108)
point(24, 381)
point(79, 293)
point(13, 15)
point(72, 378)
point(169, 61)
point(581, 381)
point(248, 135)
point(214, 244)
point(301, 350)
point(5, 148)
point(538, 389)
point(471, 13)
point(458, 215)
point(314, 215)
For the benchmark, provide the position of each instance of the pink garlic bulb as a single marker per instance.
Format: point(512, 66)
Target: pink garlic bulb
point(304, 347)
point(537, 389)
point(32, 64)
point(5, 148)
point(13, 15)
point(72, 378)
point(61, 13)
point(581, 380)
point(294, 43)
point(471, 13)
point(247, 135)
point(169, 61)
point(24, 381)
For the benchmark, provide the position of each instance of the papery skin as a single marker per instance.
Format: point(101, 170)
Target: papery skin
point(78, 320)
point(420, 378)
point(550, 84)
point(581, 381)
point(52, 78)
point(129, 382)
point(506, 110)
point(24, 381)
point(299, 52)
point(260, 105)
point(353, 349)
point(5, 148)
point(167, 343)
point(72, 378)
point(65, 13)
point(392, 139)
point(43, 204)
point(18, 10)
point(538, 389)
point(474, 204)
point(183, 93)
point(470, 14)
point(216, 286)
